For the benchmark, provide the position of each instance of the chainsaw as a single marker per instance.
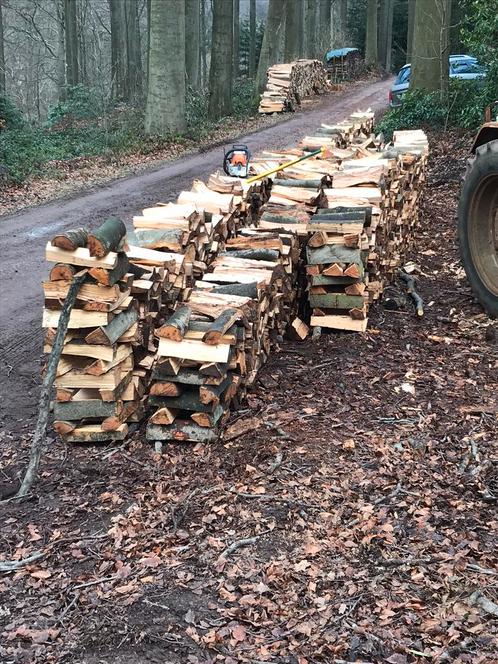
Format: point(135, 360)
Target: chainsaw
point(236, 161)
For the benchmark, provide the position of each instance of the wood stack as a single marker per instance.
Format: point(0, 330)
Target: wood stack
point(211, 349)
point(289, 83)
point(99, 385)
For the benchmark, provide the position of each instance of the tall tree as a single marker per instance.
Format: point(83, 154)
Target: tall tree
point(236, 37)
point(221, 70)
point(134, 73)
point(71, 41)
point(385, 33)
point(126, 59)
point(324, 17)
point(118, 48)
point(371, 34)
point(431, 45)
point(252, 38)
point(339, 23)
point(165, 108)
point(2, 56)
point(203, 40)
point(61, 49)
point(271, 48)
point(411, 24)
point(292, 30)
point(310, 27)
point(192, 42)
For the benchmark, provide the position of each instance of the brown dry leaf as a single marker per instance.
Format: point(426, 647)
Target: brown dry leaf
point(150, 561)
point(41, 574)
point(239, 632)
point(241, 427)
point(349, 444)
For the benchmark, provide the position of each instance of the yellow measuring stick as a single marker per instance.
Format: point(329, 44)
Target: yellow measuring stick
point(255, 178)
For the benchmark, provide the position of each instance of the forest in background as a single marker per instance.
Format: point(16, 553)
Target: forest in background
point(82, 78)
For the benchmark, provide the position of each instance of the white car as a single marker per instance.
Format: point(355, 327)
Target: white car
point(463, 67)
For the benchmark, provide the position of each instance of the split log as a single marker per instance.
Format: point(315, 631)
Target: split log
point(165, 389)
point(243, 290)
point(218, 328)
point(109, 277)
point(106, 238)
point(164, 416)
point(176, 325)
point(62, 272)
point(71, 240)
point(110, 333)
point(183, 431)
point(254, 254)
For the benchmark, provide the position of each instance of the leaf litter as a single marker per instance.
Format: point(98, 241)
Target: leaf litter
point(344, 518)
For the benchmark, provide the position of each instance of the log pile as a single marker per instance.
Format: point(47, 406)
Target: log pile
point(289, 83)
point(357, 242)
point(100, 381)
point(211, 349)
point(185, 310)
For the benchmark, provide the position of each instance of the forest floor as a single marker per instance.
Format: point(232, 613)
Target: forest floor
point(349, 515)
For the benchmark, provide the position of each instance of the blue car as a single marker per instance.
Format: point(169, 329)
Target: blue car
point(464, 67)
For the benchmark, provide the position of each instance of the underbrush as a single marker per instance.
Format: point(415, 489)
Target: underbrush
point(80, 127)
point(461, 107)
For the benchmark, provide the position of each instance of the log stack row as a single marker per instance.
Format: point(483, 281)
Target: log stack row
point(358, 240)
point(101, 377)
point(289, 83)
point(211, 348)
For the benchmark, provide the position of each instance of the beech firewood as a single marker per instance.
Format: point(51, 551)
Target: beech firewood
point(176, 325)
point(71, 240)
point(108, 237)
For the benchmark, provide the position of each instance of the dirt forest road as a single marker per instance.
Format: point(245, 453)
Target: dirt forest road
point(23, 237)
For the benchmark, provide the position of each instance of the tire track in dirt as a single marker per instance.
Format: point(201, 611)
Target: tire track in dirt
point(23, 235)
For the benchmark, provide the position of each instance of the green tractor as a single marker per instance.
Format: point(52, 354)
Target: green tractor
point(478, 216)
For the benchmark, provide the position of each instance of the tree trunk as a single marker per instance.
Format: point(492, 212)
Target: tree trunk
point(134, 72)
point(118, 49)
point(148, 45)
point(292, 28)
point(236, 37)
point(252, 38)
point(165, 108)
point(339, 23)
point(192, 39)
point(371, 34)
point(203, 38)
point(71, 37)
point(310, 28)
point(431, 45)
point(385, 33)
point(324, 16)
point(272, 40)
point(411, 23)
point(221, 70)
point(2, 56)
point(61, 50)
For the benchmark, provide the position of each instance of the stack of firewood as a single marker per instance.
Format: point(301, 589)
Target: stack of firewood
point(212, 348)
point(100, 382)
point(288, 84)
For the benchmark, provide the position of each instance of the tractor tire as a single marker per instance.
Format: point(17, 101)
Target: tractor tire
point(478, 225)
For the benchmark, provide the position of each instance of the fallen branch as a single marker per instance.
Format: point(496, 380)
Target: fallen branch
point(13, 565)
point(44, 403)
point(238, 544)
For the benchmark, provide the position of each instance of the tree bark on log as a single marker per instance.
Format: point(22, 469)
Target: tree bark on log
point(71, 240)
point(62, 272)
point(109, 334)
point(46, 389)
point(107, 238)
point(111, 277)
point(220, 326)
point(176, 325)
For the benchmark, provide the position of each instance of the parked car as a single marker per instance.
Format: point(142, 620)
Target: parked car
point(463, 67)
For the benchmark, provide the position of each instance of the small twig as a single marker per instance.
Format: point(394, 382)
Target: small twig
point(409, 282)
point(238, 544)
point(95, 582)
point(67, 609)
point(13, 565)
point(393, 562)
